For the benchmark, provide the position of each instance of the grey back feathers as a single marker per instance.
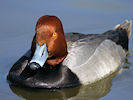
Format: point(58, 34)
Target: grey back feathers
point(94, 56)
point(95, 63)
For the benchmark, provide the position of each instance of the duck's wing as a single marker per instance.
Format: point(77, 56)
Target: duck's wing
point(82, 49)
point(97, 55)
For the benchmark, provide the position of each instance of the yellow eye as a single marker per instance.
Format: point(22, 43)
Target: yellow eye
point(54, 34)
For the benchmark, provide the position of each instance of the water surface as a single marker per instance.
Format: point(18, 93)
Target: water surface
point(17, 25)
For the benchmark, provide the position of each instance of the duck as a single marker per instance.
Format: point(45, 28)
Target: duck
point(58, 60)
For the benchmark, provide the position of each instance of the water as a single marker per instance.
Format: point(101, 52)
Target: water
point(17, 25)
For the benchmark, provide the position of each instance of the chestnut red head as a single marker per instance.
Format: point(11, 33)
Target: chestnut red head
point(49, 31)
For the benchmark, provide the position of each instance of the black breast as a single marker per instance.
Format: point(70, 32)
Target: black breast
point(48, 77)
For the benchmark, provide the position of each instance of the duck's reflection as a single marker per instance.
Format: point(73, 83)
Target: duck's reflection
point(87, 92)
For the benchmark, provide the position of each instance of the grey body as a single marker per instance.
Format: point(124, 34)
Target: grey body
point(93, 57)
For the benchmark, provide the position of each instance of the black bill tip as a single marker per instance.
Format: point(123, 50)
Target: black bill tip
point(34, 66)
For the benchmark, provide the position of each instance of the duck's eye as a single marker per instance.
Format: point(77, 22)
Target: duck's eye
point(54, 34)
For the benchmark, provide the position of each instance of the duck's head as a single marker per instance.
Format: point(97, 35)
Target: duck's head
point(49, 44)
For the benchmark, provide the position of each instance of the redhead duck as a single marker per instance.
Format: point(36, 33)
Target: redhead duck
point(58, 60)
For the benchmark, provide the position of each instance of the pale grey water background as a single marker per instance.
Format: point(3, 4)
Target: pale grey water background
point(17, 24)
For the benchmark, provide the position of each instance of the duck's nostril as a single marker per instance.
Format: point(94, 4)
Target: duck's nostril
point(34, 66)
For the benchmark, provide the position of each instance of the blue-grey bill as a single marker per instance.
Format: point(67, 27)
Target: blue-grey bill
point(39, 58)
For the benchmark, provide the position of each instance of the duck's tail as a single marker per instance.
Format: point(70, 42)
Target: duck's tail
point(126, 25)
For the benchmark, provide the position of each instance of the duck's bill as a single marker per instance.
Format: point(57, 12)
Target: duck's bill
point(39, 58)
